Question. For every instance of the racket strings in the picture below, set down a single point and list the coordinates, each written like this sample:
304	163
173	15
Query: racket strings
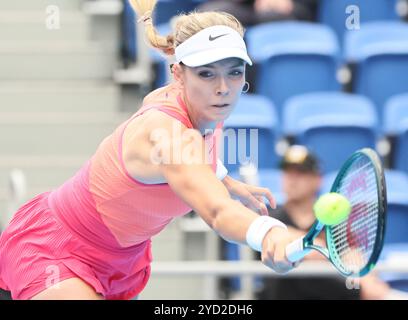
364	226
360	244
370	236
359	209
341	232
353	240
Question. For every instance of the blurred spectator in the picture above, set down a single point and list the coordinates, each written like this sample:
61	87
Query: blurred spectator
251	12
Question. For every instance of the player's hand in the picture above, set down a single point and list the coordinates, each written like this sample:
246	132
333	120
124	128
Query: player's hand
274	250
250	196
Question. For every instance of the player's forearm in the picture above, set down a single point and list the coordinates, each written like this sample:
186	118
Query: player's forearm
228	182
232	220
200	189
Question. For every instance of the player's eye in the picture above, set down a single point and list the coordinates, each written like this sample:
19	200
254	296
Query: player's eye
205	74
236	73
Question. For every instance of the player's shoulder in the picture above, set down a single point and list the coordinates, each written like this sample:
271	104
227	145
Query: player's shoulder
158	120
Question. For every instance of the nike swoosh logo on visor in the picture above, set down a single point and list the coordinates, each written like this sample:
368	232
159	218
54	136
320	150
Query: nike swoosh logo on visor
211	38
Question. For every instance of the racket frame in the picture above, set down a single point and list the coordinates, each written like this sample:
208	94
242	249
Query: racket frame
381	220
299	248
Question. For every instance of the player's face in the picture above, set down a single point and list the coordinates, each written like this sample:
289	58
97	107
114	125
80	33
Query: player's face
300	186
212	90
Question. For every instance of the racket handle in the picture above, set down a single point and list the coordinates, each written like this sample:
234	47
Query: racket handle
295	251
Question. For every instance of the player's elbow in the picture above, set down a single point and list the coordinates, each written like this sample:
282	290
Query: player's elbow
211	211
219	212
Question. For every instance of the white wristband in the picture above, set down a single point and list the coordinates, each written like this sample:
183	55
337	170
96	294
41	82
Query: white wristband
221	172
259	228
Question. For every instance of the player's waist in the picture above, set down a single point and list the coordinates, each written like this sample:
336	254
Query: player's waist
72	205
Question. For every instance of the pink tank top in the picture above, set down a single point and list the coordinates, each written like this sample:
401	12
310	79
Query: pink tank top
103	204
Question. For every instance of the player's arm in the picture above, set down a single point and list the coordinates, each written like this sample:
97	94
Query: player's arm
162	149
180	158
192	179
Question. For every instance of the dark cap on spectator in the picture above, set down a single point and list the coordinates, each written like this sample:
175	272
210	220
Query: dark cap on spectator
300	158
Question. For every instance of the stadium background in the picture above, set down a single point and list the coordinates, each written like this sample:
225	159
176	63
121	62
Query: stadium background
74	68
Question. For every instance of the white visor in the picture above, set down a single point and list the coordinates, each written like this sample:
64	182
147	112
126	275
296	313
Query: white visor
210	45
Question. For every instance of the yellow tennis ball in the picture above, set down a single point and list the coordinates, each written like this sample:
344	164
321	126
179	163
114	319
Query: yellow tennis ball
332	208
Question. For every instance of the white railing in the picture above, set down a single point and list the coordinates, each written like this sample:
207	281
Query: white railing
256	268
249	269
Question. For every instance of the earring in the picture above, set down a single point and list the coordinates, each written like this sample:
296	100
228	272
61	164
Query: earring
247	89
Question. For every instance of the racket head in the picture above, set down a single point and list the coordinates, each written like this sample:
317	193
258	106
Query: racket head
355	245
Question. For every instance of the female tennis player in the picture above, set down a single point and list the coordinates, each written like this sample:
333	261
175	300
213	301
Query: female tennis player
91	237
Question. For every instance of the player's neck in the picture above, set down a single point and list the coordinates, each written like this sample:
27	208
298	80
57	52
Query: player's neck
201	125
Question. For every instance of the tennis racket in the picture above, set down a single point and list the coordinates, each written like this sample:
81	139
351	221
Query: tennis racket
354	245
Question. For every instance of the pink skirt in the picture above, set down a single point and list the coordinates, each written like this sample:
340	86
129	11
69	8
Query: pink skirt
37	251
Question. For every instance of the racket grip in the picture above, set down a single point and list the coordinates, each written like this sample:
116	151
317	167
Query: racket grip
295	251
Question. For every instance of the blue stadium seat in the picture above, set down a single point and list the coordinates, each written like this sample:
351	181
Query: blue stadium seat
166	9
397	198
335	13
293	58
252	112
396	126
332	125
379	54
357	42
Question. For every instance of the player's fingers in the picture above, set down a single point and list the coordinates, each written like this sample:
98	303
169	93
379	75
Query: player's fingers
254	203
272	260
264	209
265	192
280	260
267	254
275	265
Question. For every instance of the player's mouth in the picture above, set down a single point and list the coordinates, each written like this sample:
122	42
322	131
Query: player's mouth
224	105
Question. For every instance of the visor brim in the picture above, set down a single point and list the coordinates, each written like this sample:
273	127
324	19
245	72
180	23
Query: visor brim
209	56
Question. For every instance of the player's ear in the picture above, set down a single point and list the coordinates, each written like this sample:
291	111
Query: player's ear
178	73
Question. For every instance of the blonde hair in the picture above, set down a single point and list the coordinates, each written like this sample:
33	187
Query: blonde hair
184	25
